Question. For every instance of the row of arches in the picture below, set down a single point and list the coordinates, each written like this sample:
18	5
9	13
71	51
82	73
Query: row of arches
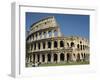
58	57
49	44
43	34
49	57
82	47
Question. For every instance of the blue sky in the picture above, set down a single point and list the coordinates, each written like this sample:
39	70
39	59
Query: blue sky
70	24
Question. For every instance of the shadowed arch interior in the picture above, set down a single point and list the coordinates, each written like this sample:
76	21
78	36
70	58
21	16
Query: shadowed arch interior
55	57
43	58
49	44
72	44
55	44
61	44
62	57
49	57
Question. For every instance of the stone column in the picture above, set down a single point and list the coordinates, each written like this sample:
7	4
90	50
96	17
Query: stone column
34	36
41	45
71	57
42	33
58	54
58	42
52	33
52	58
40	58
45	58
52	44
47	35
35	57
65	58
31	57
33	47
36	46
65	45
46	45
81	57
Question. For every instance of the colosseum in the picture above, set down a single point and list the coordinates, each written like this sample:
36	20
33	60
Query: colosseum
45	44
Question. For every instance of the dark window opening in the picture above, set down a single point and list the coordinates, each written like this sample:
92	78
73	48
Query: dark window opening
55	44
43	45
72	44
38	45
61	44
49	44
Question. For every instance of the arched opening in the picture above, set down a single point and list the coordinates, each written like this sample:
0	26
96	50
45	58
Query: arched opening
72	44
68	57
55	57
80	42
43	45
49	44
81	47
78	57
74	55
61	44
38	56
82	55
33	58
38	45
62	57
67	44
78	46
34	46
36	35
55	44
43	58
49	57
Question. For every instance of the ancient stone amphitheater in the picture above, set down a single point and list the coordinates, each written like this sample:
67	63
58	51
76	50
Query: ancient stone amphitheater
46	44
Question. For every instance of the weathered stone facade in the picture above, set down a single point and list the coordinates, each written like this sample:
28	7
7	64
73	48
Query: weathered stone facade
46	44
